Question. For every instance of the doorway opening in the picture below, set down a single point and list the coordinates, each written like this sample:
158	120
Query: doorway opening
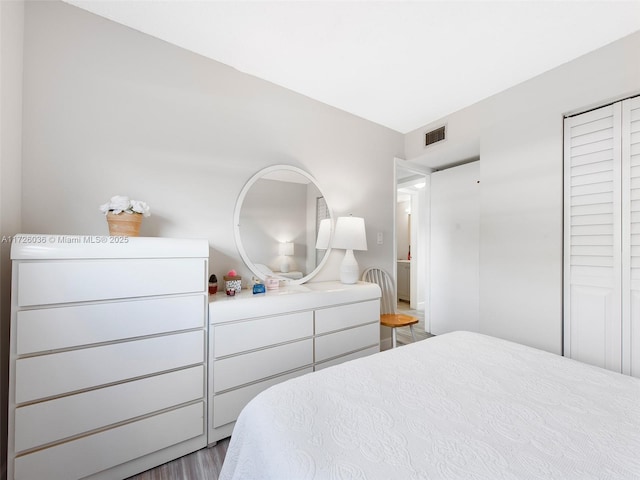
411	245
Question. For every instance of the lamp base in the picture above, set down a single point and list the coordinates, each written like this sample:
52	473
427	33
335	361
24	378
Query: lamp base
349	270
284	267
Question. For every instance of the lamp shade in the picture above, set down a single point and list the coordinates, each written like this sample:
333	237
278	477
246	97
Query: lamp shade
285	248
324	234
350	234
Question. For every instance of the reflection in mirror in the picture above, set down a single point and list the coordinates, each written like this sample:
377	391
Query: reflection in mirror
278	218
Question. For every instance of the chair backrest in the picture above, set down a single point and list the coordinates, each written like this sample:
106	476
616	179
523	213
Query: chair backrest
388	301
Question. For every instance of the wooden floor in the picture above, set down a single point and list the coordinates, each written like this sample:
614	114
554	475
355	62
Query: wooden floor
204	464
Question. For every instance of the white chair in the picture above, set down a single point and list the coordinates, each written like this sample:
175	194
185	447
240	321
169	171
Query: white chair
389	316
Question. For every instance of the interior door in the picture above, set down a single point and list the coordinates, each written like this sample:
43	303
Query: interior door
592	249
455	254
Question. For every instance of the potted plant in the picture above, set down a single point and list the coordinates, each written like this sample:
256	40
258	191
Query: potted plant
124	215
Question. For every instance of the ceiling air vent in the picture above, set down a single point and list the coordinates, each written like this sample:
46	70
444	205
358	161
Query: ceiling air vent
434	136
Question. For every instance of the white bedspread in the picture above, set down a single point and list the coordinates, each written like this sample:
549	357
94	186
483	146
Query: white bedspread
457	406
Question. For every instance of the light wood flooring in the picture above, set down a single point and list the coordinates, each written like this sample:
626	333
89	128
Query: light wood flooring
204	464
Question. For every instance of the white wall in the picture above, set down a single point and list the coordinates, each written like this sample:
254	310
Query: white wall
518	135
11	34
109	110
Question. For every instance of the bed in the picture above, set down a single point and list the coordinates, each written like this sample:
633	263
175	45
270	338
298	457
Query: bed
457	406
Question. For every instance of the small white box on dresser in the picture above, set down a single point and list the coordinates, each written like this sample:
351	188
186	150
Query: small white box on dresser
108	355
256	341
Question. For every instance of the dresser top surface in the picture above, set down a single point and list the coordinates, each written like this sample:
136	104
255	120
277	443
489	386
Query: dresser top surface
53	246
290	298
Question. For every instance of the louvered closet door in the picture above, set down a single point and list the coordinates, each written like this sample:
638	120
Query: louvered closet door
592	216
631	236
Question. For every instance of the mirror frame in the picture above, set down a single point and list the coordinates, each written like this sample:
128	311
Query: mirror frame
236	223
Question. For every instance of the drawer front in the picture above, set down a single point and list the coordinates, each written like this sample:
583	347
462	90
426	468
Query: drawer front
352	356
249	335
241	369
345	316
67	327
94	453
46	422
346	341
52	282
227	407
49	375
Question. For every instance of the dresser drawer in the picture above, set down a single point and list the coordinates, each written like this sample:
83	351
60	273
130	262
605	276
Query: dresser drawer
67	327
241	369
242	336
52	282
94	453
352	356
46	422
55	374
227	407
344	316
346	341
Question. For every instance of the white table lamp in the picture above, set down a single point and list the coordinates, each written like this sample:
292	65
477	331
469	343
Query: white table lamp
350	234
285	250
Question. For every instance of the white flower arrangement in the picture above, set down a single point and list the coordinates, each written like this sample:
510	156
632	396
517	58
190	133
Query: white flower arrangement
120	204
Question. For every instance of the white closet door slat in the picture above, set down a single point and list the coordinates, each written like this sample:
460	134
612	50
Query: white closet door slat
602	219
593	134
593	162
596	187
590	178
592	199
602	240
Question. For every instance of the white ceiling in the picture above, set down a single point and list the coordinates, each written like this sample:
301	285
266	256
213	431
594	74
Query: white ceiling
399	63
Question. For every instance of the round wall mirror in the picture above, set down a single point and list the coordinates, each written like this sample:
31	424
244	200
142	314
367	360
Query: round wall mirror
283	224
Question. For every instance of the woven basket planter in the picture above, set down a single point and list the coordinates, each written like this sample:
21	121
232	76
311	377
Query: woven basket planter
124	224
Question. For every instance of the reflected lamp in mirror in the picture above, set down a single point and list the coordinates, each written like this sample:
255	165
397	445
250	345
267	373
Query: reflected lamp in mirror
350	235
285	249
324	234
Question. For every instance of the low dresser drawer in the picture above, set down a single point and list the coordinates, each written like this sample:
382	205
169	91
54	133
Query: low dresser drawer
91	454
346	341
52	282
54	420
352	356
246	368
345	316
227	407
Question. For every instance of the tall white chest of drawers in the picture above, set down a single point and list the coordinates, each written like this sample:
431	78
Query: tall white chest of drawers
108	355
256	341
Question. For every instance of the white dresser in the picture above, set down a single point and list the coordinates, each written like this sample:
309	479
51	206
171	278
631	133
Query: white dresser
256	341
108	355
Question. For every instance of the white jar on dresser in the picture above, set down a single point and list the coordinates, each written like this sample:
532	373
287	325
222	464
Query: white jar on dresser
256	341
107	356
